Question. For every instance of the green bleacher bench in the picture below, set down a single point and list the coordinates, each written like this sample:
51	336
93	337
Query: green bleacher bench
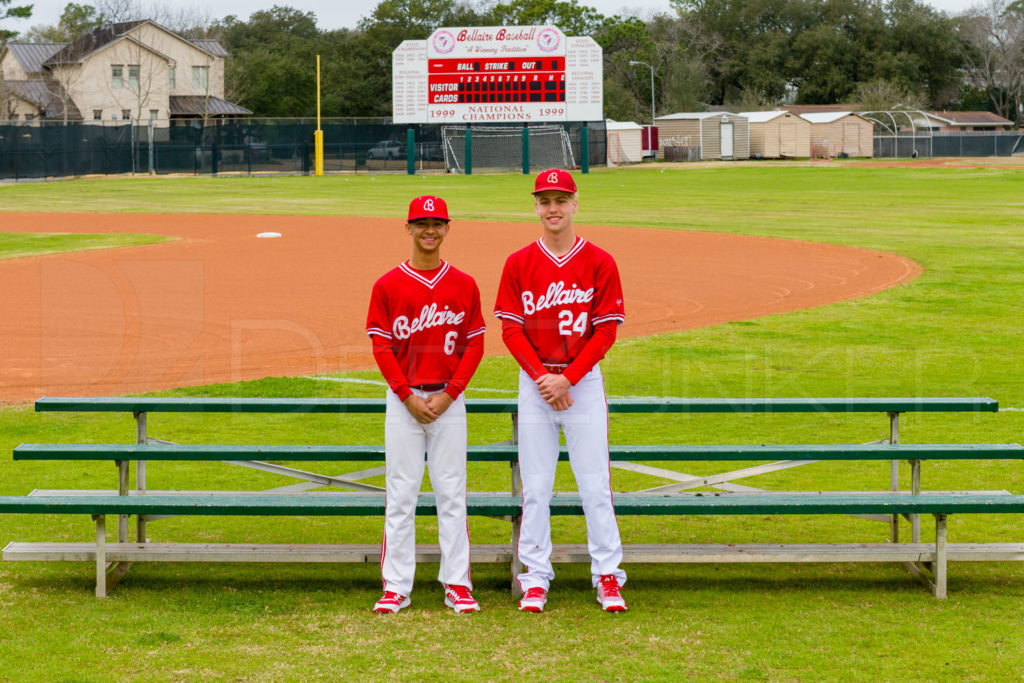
507	452
334	504
927	561
502	405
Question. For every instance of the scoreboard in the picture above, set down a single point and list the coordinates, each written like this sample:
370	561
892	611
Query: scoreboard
497	74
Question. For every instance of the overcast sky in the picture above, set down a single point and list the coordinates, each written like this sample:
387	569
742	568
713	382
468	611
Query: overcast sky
333	14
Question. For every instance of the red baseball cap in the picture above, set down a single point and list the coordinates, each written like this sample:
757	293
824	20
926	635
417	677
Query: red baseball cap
554	179
428	206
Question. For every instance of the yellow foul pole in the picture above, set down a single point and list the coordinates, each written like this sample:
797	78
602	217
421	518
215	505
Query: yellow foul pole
318	136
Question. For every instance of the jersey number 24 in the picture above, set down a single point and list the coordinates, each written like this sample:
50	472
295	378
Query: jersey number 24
566	326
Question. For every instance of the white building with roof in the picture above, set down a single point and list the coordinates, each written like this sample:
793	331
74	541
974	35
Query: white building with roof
840	132
778	134
625	142
135	70
963	121
716	135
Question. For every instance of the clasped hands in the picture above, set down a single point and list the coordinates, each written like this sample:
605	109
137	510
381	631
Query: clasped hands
427	410
555	390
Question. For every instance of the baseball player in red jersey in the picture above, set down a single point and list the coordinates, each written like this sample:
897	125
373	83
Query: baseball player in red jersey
560	303
427	331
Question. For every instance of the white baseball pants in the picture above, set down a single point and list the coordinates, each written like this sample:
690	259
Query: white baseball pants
586	434
405	442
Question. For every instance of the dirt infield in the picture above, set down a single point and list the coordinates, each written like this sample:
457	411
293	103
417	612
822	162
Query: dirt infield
996	163
220	305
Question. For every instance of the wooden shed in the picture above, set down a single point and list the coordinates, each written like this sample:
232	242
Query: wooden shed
625	142
833	133
705	135
778	134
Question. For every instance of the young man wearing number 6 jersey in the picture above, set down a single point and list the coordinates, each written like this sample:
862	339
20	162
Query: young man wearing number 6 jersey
427	332
560	303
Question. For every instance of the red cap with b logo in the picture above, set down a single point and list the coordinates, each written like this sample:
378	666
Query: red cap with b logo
554	179
428	206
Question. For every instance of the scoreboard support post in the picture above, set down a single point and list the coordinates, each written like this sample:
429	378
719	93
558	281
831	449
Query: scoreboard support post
410	151
468	163
526	148
585	148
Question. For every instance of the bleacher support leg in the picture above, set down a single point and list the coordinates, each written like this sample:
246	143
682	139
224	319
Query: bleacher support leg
939	570
915	489
140	473
517	522
122	490
894	474
101	555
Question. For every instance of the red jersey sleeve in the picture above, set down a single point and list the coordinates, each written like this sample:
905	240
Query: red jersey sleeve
593	351
509	309
379	329
608	304
514	336
509	303
389	367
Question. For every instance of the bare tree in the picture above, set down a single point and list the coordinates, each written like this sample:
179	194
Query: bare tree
59	81
993	35
882	95
684	53
143	71
189	21
141	77
8	104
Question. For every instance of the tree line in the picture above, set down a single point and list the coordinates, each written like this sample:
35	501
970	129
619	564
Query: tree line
741	54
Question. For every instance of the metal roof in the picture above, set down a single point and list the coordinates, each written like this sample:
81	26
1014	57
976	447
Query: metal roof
970	118
212	46
32	55
45	94
826	116
92	41
762	116
199	105
610	124
694	115
802	109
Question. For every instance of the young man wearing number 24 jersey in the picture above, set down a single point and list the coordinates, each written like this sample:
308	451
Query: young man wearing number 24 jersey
427	331
560	303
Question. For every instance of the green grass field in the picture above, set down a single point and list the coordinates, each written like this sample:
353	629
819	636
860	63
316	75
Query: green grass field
955	331
14	245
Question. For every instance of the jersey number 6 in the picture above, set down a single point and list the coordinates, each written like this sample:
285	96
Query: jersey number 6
449	342
566	326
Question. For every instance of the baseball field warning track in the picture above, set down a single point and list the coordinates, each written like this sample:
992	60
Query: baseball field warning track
218	304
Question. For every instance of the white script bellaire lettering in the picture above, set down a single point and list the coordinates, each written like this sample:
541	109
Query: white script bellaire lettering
557	295
428	317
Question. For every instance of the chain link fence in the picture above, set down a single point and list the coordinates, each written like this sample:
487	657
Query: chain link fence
40	149
966	144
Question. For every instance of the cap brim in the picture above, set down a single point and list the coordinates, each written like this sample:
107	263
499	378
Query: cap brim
419	218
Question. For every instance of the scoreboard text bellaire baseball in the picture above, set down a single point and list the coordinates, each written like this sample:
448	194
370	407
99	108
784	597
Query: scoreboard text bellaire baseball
499	74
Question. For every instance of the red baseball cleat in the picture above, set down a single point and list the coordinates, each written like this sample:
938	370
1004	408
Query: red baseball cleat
459	599
534	600
608	594
391	602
